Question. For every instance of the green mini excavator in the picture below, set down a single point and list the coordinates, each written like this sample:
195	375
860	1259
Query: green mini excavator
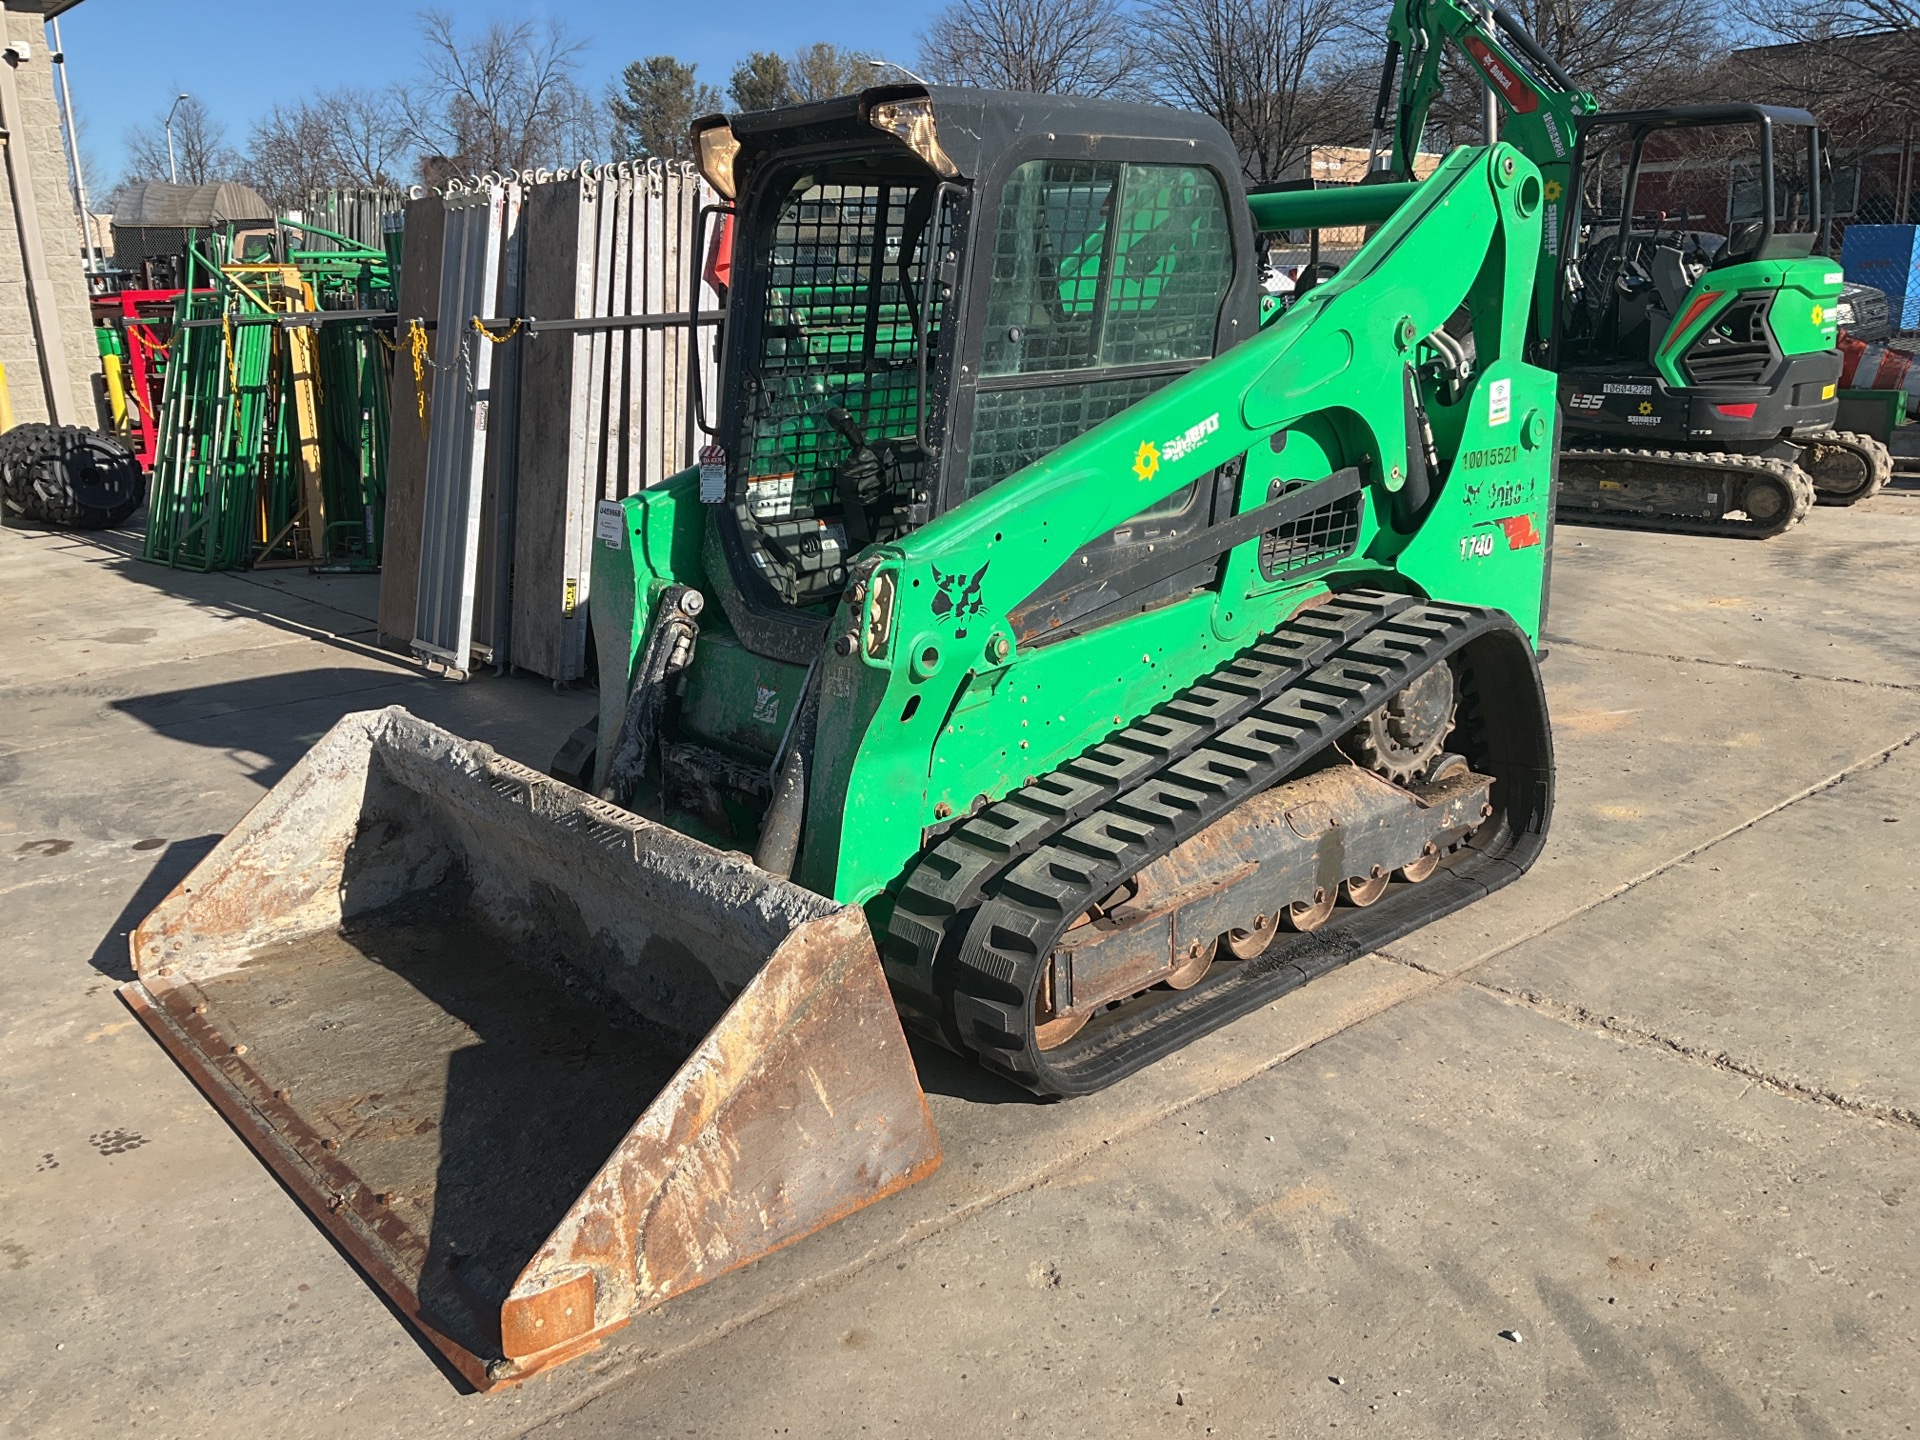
1043	653
1697	370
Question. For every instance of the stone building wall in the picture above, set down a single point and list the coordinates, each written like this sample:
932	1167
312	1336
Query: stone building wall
36	133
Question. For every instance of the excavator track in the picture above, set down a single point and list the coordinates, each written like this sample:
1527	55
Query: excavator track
980	917
1846	468
1704	492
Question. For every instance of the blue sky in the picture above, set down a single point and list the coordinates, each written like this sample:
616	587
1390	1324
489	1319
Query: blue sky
129	58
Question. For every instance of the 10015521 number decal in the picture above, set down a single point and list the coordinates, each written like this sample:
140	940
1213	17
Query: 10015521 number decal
1471	545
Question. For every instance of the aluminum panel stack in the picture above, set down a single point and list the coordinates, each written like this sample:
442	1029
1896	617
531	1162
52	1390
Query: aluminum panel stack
615	246
470	290
360	213
575	389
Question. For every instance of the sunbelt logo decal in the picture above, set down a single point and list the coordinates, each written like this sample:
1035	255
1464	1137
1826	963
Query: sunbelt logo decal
1146	460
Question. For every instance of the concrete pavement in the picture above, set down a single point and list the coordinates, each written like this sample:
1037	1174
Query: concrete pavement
1630	1148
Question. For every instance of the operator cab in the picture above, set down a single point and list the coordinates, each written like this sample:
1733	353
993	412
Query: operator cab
1710	211
933	288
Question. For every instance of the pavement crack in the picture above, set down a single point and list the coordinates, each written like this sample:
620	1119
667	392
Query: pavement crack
1402	960
1624	1028
1787	671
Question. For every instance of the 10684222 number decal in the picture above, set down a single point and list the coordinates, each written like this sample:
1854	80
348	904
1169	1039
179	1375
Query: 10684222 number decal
1474	545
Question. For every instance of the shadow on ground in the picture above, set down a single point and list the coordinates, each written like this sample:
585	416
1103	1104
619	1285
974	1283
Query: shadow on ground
339	610
269	721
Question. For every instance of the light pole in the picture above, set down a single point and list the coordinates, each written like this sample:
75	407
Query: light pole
173	168
877	63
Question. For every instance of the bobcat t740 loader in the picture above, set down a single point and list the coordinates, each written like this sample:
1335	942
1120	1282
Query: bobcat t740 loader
1045	654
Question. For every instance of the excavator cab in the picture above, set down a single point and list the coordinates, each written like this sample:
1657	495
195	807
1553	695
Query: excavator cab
1695	309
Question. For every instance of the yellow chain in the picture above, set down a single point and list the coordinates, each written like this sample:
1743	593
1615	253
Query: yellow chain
511	331
417	352
417	345
233	372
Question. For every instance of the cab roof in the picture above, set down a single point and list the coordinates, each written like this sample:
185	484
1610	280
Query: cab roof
975	127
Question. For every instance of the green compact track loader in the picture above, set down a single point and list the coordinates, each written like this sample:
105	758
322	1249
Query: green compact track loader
1044	653
1698	371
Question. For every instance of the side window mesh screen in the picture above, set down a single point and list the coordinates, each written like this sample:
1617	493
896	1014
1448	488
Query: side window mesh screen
1014	428
1317	538
1096	265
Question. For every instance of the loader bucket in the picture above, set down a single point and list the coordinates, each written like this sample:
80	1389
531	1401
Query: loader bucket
538	1064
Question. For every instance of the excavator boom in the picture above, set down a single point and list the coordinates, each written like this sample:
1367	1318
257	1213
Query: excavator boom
1698	369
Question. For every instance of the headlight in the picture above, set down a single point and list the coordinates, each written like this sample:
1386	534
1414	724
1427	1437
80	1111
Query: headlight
880	614
717	148
911	121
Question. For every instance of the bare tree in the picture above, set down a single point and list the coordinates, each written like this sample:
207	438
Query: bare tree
1855	65
1893	26
290	152
1254	65
500	100
1628	53
369	136
200	150
1067	47
822	71
586	131
342	137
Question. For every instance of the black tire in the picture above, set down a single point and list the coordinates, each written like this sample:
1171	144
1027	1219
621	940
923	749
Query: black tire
65	475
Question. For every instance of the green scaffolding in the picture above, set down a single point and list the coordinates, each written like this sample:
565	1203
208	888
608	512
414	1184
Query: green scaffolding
236	481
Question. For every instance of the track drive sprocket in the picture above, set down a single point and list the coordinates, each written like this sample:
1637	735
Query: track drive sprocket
1404	736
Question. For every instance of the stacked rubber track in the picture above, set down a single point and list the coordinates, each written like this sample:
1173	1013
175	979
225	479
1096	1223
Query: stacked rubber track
1692	467
981	911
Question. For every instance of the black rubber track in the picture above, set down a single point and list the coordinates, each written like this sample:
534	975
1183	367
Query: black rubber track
1703	467
1877	459
978	916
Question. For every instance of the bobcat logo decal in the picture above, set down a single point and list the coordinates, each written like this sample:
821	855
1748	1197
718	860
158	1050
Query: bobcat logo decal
958	596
